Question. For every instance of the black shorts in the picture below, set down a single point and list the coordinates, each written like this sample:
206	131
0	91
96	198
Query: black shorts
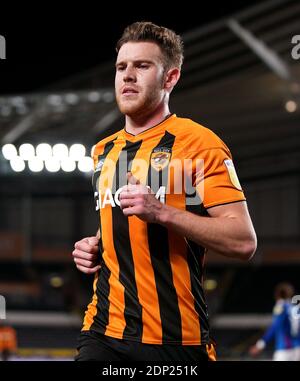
96	347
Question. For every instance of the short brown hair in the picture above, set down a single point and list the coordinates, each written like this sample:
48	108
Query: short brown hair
284	290
169	42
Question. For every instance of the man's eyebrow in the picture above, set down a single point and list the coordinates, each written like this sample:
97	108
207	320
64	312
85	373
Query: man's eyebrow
135	62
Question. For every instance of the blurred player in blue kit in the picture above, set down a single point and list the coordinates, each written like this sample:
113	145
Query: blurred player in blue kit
284	329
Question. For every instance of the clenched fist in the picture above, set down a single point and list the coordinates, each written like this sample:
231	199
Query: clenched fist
86	255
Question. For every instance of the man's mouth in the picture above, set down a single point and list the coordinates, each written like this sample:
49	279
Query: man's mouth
129	91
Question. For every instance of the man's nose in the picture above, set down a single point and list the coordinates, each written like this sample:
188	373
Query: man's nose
129	75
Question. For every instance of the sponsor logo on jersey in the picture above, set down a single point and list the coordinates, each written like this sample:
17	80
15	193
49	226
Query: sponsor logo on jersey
232	174
108	198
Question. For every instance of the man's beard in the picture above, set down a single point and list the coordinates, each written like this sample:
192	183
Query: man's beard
140	106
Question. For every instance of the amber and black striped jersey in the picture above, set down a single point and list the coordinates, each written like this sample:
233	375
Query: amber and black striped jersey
149	287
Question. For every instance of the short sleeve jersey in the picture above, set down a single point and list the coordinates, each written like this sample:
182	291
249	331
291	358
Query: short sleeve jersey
149	287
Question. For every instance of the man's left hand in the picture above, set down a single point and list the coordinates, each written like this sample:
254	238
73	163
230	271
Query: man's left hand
138	200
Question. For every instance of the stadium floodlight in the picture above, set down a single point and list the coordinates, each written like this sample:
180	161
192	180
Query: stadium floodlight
86	164
17	164
52	164
21	110
77	151
17	101
291	106
9	151
35	164
44	151
108	96
55	100
26	151
71	99
5	110
94	96
68	165
60	151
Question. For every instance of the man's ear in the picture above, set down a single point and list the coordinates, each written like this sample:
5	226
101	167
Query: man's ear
171	78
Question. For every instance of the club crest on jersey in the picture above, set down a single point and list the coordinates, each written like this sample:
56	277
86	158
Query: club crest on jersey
160	158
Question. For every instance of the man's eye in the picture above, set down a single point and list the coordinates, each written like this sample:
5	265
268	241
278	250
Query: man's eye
143	66
121	68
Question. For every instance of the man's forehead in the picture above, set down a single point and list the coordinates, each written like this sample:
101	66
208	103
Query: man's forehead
139	51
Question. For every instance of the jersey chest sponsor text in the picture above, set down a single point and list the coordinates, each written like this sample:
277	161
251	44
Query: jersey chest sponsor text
107	197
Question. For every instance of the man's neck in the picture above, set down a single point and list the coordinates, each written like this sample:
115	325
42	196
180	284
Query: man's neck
137	125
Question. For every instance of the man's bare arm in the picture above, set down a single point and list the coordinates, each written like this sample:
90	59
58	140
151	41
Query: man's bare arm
228	230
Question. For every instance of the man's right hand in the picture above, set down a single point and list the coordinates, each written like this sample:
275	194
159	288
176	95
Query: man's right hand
86	255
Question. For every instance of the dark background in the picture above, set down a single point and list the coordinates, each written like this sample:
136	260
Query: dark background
45	43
